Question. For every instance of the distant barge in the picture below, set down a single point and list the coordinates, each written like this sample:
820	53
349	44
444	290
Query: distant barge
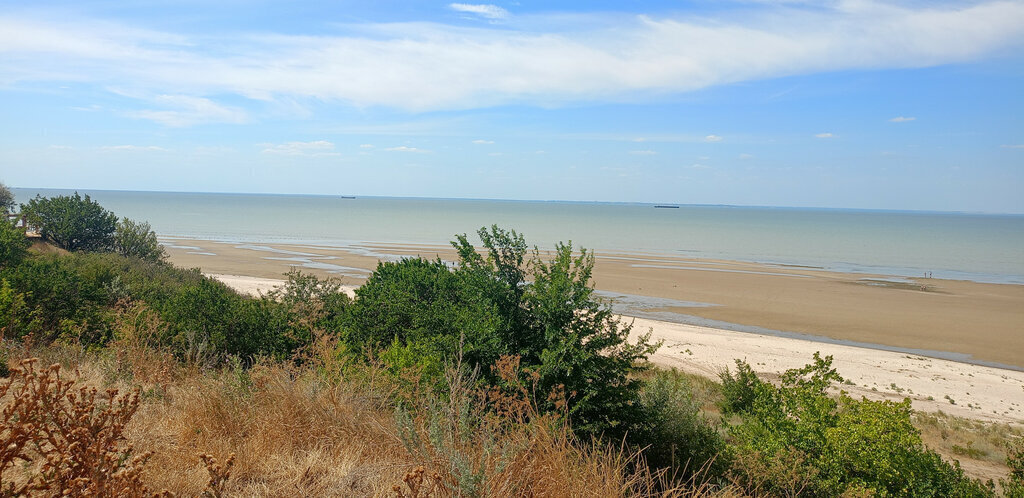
665	206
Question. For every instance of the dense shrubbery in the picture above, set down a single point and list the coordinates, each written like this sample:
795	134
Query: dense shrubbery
794	439
13	244
73	297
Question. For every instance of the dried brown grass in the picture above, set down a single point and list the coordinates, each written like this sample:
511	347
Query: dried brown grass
279	430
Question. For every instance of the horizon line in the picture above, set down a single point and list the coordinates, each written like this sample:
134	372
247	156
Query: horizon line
566	201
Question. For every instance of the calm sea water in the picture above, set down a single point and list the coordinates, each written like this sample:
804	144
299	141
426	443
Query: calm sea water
986	248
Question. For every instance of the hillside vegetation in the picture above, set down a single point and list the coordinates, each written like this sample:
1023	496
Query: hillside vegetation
500	376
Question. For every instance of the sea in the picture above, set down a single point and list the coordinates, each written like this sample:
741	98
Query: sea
961	246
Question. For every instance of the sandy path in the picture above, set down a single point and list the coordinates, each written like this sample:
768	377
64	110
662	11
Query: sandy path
960	389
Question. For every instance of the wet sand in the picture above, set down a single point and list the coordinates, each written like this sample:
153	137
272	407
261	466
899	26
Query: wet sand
960	320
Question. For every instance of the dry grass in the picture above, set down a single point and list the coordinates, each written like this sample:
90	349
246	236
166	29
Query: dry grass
980	447
326	429
278	430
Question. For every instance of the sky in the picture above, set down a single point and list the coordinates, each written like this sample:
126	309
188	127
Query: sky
870	104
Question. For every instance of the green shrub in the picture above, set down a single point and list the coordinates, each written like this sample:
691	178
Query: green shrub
13	244
72	222
16	318
675	433
415	301
1013	485
66	299
315	303
497	304
814	445
137	240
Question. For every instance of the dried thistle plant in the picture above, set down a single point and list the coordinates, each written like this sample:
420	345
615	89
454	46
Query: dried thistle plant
418	485
219	475
72	438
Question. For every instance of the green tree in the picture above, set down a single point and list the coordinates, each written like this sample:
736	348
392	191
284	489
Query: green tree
137	240
72	222
6	199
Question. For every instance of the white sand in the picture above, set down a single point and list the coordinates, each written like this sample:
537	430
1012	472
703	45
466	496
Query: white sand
256	286
977	392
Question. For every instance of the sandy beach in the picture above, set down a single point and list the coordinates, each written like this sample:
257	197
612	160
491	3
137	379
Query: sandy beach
985	321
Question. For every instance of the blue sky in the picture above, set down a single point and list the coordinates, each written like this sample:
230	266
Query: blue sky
849	103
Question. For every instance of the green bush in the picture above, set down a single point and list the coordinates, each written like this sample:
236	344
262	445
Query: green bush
675	433
72	222
795	439
137	240
415	301
13	244
16	318
67	300
76	296
498	303
1013	485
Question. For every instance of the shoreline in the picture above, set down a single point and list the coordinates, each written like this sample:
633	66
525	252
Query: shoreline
958	320
888	272
933	385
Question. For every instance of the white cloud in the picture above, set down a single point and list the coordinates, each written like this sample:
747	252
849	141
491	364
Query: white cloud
403	148
133	148
483	10
187	111
901	119
699	166
483	142
315	148
642	152
825	135
745	156
545	60
366	146
712	138
1015	146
